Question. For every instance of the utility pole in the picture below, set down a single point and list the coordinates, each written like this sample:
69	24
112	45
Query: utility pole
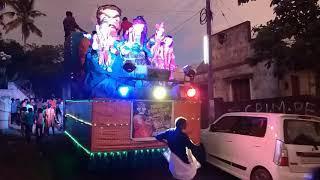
210	74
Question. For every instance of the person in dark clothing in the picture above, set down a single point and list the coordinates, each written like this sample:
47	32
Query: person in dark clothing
70	25
29	122
177	140
182	164
125	25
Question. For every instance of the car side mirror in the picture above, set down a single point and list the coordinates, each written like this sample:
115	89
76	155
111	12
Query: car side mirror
213	128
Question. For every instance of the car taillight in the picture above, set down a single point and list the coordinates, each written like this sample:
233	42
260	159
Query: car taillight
280	154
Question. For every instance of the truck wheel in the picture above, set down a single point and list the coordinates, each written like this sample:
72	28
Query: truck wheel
260	174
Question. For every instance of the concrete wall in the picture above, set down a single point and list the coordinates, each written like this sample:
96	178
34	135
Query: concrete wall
235	47
5	103
307	82
230	62
231	48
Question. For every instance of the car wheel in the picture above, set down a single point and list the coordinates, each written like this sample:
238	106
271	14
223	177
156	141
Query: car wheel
260	174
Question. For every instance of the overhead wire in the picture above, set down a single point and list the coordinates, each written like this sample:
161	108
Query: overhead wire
183	23
222	12
234	12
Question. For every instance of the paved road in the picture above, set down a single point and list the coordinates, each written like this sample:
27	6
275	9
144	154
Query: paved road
56	158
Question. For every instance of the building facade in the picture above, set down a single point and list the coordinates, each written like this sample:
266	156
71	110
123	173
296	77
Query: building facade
235	80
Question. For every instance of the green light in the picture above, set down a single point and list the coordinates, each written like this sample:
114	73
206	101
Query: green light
77	119
77	143
118	153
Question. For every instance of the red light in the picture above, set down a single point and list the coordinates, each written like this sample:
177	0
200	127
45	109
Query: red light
191	92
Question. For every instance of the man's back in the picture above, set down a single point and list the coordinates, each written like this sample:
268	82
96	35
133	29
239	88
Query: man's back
177	142
29	118
50	114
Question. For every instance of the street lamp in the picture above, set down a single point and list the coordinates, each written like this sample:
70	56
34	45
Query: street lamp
206	49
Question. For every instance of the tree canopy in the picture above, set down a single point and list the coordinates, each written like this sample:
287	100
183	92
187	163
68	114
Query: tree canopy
22	15
291	41
42	65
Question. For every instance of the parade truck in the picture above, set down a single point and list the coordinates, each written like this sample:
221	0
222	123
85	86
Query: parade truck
120	90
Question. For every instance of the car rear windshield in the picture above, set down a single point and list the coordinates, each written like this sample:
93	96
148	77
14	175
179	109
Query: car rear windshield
301	132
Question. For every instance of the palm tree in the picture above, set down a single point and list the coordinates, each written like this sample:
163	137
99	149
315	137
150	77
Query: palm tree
23	15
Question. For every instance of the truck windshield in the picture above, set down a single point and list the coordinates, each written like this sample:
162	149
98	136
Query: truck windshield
302	132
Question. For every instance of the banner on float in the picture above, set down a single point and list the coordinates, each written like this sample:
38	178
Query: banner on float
149	118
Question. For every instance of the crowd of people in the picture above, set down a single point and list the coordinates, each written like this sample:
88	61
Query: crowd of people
37	116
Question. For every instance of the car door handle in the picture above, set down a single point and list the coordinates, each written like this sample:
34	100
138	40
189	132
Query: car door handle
229	141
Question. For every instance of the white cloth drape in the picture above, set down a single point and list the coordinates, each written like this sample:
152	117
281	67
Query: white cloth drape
179	169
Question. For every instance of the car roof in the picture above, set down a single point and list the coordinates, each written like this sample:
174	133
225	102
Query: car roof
252	114
271	114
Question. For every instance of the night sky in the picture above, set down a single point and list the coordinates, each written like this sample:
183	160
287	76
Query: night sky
188	35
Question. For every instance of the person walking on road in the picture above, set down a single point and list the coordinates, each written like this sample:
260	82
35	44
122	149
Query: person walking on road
50	115
29	123
39	124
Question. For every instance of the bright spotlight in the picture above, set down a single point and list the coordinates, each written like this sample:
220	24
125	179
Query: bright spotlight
159	93
191	92
123	91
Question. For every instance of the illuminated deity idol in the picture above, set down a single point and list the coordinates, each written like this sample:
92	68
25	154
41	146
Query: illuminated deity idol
104	54
134	48
108	19
101	57
162	49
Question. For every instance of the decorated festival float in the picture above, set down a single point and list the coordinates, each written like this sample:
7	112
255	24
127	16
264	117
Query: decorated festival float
121	89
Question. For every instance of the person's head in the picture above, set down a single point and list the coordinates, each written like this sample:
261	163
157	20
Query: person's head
30	110
12	99
40	110
181	123
110	15
69	14
124	19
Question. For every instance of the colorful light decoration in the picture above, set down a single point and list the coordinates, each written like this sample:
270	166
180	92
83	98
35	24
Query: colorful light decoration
159	92
77	119
123	91
113	153
191	92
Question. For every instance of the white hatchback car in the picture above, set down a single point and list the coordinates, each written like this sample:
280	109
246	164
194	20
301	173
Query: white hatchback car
264	146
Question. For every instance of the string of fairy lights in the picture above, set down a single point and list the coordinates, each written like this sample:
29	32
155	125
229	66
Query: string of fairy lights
114	153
